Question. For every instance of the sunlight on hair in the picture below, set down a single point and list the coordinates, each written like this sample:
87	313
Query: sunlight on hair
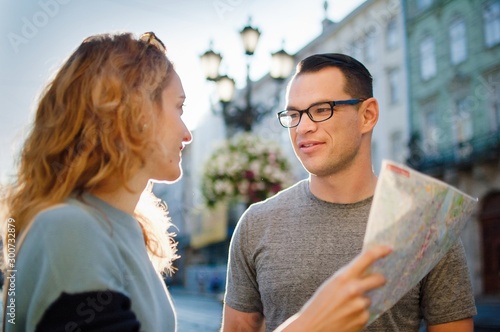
152	214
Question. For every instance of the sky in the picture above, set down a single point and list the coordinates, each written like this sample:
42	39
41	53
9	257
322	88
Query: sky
38	35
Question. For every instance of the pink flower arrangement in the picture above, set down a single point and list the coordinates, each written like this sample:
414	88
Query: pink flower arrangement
245	169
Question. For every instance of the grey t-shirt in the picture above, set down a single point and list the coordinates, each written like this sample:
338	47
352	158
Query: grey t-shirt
71	249
284	248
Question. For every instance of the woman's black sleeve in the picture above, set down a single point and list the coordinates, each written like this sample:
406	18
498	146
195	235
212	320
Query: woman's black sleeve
90	311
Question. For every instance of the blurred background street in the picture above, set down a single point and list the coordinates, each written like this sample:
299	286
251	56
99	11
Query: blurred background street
196	312
488	317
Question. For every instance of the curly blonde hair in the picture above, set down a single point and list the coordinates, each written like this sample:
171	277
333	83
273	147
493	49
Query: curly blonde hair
90	124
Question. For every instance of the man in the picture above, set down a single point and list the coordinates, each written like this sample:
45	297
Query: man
285	247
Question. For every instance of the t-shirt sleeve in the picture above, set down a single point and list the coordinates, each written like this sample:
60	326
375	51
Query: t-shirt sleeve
90	311
66	250
446	291
242	291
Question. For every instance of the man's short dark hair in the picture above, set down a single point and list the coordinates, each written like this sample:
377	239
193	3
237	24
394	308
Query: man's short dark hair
359	81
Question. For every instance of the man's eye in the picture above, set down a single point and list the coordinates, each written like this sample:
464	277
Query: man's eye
322	110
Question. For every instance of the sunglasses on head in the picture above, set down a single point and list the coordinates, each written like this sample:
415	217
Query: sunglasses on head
150	39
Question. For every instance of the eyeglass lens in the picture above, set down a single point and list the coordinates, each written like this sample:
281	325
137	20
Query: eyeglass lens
316	113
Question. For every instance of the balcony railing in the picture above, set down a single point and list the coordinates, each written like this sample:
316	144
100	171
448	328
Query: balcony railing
458	156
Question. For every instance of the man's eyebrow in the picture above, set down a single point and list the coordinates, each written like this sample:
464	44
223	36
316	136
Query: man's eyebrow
293	108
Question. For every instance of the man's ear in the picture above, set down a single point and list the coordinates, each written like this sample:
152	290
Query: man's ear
369	114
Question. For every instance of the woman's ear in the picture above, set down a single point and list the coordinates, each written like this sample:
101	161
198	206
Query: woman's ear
369	113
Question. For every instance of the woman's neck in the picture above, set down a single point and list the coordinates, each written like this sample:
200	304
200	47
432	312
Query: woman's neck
122	197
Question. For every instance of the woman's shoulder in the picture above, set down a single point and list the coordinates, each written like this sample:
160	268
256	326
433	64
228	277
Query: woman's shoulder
65	225
67	251
63	234
66	215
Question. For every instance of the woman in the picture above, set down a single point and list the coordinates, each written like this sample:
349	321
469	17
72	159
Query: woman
90	241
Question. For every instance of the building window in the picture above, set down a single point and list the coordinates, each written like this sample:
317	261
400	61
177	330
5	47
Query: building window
491	17
422	4
357	50
458	41
371	46
376	87
495	110
393	77
462	129
397	146
493	90
462	121
392	34
376	160
432	134
428	66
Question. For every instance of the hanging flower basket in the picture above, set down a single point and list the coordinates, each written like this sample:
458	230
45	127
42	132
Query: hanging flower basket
245	169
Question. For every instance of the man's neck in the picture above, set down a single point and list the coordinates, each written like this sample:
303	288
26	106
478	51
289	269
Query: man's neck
349	186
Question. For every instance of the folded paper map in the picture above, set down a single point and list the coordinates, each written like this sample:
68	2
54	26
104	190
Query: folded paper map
420	218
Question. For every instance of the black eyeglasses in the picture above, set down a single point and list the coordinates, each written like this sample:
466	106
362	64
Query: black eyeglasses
150	39
317	112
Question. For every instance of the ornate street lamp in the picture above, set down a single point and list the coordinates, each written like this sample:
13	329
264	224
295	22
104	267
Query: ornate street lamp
210	61
250	37
225	88
281	64
244	118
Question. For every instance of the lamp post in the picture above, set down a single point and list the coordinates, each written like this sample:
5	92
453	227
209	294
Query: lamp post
235	117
